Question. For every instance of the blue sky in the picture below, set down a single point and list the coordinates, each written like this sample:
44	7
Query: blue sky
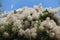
9	5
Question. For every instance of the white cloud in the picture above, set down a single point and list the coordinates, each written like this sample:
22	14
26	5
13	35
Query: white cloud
11	6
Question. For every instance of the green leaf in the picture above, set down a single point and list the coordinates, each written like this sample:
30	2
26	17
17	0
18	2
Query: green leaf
0	4
15	12
43	16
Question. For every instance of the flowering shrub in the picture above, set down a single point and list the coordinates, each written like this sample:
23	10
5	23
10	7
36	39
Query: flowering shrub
30	24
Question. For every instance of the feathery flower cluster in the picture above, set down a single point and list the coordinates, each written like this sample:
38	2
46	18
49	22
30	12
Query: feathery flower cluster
31	23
